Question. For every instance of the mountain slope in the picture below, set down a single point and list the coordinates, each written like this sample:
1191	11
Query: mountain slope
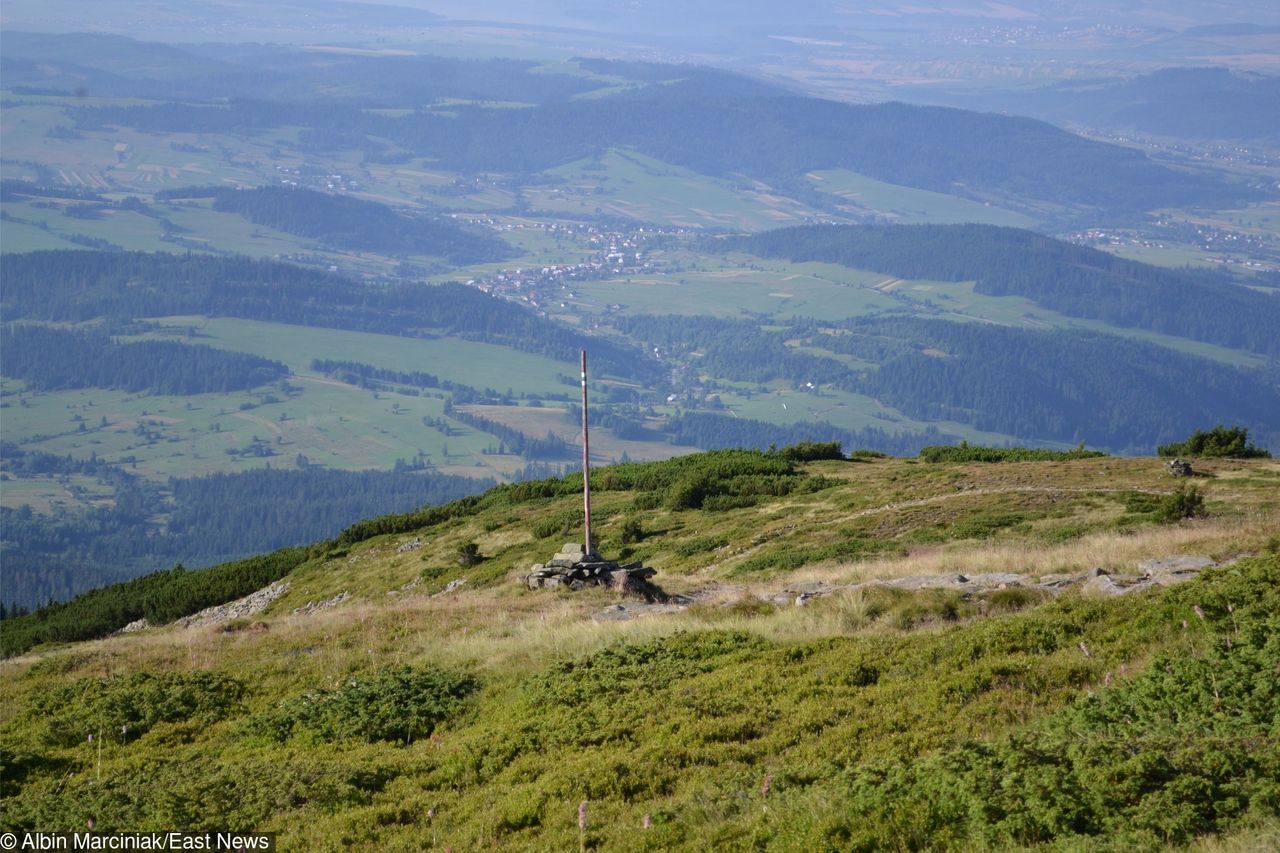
488	714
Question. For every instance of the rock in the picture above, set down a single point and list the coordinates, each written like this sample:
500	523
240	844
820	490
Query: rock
575	567
1178	468
633	610
251	604
999	580
412	545
451	586
1106	585
1175	564
933	582
316	606
136	625
630	583
809	587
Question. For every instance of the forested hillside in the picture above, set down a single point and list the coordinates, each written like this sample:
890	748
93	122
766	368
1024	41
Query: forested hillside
770	138
1066	386
78	286
195	520
1194	103
1074	280
51	359
351	223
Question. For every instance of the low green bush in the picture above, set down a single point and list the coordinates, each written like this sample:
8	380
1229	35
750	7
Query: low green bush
963	452
812	451
125	707
784	558
1185	502
560	524
402	705
701	545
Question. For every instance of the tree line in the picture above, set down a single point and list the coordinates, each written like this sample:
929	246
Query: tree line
513	440
199	520
709	431
1067	386
51	359
351	223
159	597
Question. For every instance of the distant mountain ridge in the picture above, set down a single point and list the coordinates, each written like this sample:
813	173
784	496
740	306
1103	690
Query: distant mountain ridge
1192	103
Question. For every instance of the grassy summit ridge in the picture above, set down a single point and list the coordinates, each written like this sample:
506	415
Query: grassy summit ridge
869	719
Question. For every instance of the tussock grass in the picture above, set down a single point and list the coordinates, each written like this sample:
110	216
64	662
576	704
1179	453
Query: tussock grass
1219	538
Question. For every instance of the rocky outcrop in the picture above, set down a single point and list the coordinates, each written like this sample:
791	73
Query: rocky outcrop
251	605
1178	468
575	568
317	606
1165	571
451	587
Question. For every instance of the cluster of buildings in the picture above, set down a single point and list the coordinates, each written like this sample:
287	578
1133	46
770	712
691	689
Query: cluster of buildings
612	253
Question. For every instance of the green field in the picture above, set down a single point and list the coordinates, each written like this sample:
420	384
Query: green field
957	299
847	410
332	424
469	362
632	185
741	285
47	495
909	205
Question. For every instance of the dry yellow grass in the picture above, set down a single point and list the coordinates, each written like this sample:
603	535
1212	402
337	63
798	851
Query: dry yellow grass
1121	552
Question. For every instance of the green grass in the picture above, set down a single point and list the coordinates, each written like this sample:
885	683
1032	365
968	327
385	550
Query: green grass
46	495
469	362
21	237
485	717
123	228
908	205
632	185
331	424
737	285
842	408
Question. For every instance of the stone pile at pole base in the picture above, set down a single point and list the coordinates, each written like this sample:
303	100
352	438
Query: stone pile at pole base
575	568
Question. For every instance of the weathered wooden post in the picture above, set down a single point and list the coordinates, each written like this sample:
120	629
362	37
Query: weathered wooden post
586	465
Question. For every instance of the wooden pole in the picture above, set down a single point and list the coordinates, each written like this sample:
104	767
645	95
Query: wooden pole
586	463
